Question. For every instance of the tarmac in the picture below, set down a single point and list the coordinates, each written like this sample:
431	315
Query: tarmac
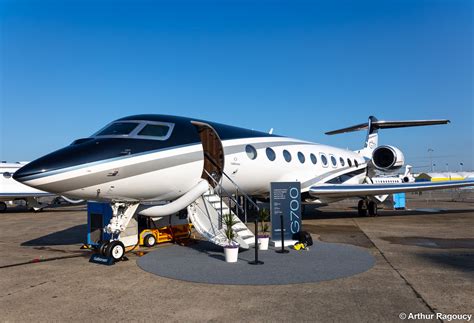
424	264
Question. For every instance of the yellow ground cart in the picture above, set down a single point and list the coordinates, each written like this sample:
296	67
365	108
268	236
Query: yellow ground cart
150	237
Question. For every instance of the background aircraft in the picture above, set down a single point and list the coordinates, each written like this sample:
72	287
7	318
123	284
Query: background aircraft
11	190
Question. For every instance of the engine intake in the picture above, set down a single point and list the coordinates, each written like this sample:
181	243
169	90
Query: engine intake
387	158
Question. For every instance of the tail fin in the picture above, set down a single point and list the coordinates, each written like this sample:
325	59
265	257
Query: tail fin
373	125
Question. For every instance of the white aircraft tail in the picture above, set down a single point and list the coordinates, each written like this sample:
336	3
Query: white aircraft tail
373	125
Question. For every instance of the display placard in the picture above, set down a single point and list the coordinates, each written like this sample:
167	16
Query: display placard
285	199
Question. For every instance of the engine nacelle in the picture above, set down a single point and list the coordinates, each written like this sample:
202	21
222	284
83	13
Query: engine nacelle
387	158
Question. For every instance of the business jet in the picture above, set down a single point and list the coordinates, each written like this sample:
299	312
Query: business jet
12	191
186	162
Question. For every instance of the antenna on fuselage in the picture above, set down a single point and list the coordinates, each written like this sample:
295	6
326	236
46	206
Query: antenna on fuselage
271	131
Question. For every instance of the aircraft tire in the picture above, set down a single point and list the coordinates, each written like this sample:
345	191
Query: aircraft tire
372	208
149	240
362	208
3	207
115	250
103	248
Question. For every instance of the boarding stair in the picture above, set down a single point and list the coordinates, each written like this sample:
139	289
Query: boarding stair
206	215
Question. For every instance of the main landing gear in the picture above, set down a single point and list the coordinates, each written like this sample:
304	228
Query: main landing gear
3	207
367	208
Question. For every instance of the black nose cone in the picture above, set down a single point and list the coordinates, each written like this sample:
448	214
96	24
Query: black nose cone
27	171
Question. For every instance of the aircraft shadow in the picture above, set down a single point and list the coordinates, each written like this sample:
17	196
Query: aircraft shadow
52	209
314	213
462	261
71	236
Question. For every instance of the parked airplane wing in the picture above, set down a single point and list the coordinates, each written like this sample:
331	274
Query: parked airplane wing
13	195
361	190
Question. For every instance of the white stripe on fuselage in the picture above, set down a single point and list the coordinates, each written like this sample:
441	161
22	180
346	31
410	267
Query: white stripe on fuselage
253	176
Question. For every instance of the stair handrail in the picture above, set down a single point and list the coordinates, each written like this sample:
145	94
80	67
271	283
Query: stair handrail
241	191
225	191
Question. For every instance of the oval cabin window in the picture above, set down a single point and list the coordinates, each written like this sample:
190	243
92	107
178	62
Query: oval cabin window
270	154
251	151
324	160
301	157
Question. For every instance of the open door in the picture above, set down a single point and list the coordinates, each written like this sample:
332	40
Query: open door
213	152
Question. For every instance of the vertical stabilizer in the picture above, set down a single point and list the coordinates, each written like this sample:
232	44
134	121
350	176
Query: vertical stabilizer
372	139
374	125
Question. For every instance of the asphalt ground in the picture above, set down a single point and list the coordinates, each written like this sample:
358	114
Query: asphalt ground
424	264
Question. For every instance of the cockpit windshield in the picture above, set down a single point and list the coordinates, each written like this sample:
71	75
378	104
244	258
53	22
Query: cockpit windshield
118	129
153	130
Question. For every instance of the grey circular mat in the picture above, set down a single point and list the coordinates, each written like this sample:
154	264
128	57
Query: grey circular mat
204	263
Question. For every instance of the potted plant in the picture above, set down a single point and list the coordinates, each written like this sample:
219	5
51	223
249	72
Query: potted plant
263	237
231	250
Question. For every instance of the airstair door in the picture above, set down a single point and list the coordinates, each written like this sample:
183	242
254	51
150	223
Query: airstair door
213	152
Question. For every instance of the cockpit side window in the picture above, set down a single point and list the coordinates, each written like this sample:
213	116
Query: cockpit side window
118	129
154	130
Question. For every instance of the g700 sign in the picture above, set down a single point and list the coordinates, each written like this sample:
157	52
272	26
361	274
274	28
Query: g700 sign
285	201
295	210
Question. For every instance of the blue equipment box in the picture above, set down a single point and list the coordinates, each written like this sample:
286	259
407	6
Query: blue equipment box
399	201
98	216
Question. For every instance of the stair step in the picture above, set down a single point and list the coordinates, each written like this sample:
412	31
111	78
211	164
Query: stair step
206	214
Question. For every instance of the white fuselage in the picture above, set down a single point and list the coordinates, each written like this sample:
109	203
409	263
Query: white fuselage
170	173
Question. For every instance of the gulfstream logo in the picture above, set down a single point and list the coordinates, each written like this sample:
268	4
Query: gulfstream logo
439	316
100	259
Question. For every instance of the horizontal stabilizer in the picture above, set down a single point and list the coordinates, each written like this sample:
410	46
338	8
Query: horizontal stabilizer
381	124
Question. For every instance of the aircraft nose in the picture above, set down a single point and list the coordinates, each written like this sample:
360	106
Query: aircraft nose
29	170
60	159
80	153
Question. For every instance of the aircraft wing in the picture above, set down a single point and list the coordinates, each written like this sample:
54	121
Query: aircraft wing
361	190
14	195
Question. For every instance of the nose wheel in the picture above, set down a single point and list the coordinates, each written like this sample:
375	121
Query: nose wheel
113	249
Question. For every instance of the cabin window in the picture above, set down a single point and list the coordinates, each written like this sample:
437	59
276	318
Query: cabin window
287	155
270	154
301	157
356	163
251	151
324	160
313	159
341	161
118	129
349	162
333	161
154	130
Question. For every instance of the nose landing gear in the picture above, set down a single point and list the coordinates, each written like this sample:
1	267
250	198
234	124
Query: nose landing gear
367	208
114	250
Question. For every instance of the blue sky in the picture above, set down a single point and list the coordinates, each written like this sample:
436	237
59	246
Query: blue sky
301	67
